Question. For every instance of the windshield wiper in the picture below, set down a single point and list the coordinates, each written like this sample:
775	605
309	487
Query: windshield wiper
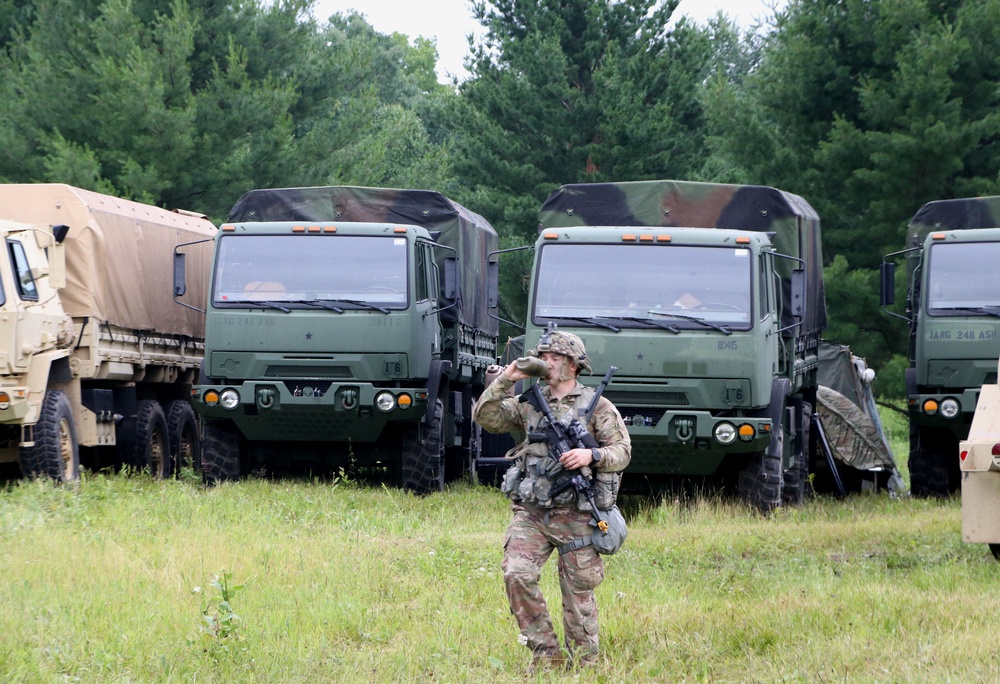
591	321
724	329
991	311
317	302
262	303
665	326
357	302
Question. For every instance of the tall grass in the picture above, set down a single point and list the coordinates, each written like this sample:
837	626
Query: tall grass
119	579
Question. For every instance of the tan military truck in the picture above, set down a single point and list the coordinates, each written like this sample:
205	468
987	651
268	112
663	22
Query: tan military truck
94	350
979	464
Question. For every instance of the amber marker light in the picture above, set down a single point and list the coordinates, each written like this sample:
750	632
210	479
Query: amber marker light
298	229
743	240
211	397
404	401
937	236
663	238
551	236
930	407
746	432
399	230
228	228
329	229
4	400
645	238
628	238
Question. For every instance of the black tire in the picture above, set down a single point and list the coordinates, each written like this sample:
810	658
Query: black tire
796	486
149	449
220	452
931	450
423	455
761	483
182	432
56	453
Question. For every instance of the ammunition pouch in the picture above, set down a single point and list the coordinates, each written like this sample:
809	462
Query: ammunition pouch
606	486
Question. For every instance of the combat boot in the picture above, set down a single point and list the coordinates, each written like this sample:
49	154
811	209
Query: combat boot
544	660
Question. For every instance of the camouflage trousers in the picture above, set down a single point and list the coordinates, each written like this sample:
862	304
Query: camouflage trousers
532	536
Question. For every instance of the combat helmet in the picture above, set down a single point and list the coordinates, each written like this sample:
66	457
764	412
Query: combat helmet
565	343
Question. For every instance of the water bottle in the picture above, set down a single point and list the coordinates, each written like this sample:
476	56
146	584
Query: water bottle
533	366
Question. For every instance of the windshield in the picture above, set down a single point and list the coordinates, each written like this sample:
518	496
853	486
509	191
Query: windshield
963	276
304	269
627	284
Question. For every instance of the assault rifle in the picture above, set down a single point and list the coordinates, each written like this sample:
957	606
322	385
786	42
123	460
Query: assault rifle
562	438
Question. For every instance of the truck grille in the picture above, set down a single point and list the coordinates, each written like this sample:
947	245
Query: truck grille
628	398
306	372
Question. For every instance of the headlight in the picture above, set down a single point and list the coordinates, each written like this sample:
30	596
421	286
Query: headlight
725	433
229	399
949	408
385	401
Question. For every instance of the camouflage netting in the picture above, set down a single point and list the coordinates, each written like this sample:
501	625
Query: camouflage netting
683	204
468	233
846	407
119	256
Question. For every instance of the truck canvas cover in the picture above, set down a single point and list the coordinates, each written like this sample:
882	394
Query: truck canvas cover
793	223
119	256
468	233
954	214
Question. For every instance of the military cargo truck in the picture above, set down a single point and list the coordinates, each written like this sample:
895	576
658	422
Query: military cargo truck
953	313
979	459
93	351
347	327
709	300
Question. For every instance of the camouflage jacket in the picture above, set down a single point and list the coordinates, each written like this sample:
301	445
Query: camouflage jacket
497	411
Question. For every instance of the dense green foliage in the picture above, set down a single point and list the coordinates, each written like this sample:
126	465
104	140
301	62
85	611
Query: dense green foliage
867	108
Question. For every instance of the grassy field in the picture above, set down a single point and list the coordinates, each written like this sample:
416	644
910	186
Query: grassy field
126	579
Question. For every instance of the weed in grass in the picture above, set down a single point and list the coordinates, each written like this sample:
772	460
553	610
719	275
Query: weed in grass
221	627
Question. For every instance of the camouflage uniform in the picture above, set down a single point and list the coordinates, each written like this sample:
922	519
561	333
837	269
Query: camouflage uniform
537	530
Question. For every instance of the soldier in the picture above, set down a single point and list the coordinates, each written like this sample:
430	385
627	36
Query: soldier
543	523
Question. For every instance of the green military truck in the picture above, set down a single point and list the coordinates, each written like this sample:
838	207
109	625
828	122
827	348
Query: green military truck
709	300
953	313
346	327
96	361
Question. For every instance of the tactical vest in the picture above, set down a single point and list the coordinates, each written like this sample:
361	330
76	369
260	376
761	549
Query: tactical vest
533	474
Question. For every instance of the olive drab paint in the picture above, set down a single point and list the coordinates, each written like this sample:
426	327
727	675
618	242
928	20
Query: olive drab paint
712	376
952	306
367	333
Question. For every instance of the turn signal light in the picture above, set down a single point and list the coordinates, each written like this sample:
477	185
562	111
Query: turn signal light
995	451
4	400
211	397
930	407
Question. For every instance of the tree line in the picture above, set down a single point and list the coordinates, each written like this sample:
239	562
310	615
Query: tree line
866	108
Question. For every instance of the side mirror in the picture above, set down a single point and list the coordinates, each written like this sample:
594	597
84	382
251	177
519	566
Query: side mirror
798	293
180	284
493	284
887	281
449	284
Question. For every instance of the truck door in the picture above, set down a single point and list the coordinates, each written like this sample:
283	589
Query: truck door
38	311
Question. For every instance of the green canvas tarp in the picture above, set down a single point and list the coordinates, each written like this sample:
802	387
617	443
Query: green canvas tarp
451	224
